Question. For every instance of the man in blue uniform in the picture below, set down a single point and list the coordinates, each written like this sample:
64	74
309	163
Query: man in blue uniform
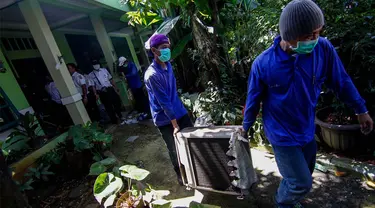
287	78
130	71
168	112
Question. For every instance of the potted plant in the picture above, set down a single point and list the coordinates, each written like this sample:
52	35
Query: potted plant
109	189
109	185
339	127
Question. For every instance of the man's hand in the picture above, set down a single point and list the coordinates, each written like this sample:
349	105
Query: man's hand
243	133
176	130
366	123
96	96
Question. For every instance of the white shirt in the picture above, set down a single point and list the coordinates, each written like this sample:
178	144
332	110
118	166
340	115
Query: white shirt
79	80
53	92
101	78
89	81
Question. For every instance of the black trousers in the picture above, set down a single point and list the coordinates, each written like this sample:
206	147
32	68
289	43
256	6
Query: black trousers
112	103
167	134
92	107
141	100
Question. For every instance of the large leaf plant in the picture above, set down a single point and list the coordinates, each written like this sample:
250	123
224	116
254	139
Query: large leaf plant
124	188
90	137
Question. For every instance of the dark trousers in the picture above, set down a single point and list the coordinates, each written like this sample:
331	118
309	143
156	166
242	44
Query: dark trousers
92	107
296	165
167	134
112	103
141	101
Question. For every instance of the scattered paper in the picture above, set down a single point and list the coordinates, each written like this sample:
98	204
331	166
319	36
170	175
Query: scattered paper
132	138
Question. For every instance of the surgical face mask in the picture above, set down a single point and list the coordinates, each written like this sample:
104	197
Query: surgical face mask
165	54
305	47
96	66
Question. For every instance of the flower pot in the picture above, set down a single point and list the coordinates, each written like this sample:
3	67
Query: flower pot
339	137
137	202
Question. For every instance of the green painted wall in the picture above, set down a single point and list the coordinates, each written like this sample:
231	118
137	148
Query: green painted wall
10	85
12	55
123	92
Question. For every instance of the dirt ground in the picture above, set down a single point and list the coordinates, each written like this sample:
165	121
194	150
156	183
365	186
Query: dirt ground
328	191
150	151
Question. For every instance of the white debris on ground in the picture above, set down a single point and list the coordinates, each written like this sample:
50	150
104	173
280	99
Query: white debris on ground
134	118
132	138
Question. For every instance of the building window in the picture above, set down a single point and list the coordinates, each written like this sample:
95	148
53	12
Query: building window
18	44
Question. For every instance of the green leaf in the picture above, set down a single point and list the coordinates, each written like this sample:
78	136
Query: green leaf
180	46
203	7
16	143
161	203
101	166
102	137
26	185
116	171
47	173
106	185
97	158
108	161
37	175
5	153
97	169
133	172
155	20
110	200
134	190
34	127
82	143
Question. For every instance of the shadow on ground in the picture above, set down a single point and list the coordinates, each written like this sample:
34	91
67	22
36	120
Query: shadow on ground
149	150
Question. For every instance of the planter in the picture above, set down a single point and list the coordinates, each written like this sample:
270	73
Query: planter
339	137
20	167
125	197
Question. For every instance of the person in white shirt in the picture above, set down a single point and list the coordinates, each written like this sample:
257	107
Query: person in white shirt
53	92
88	98
108	91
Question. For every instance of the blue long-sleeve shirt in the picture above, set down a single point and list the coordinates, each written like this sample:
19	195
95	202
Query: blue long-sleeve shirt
289	87
132	76
162	92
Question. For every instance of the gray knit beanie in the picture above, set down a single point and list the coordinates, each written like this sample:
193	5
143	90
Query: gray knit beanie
300	17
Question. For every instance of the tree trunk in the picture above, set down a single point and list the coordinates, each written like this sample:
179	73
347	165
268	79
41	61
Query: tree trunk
187	74
10	195
208	51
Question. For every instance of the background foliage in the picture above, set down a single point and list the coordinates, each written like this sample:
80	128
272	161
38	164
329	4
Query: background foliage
350	26
245	28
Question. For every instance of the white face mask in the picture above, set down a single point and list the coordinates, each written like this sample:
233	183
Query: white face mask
96	66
